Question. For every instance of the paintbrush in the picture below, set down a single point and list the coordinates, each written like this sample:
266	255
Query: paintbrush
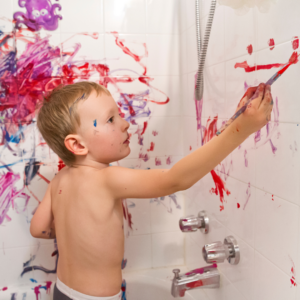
293	59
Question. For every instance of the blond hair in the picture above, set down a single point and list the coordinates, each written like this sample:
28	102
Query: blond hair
58	116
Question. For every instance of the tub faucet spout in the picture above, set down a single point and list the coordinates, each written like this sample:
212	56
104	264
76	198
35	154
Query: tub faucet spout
207	277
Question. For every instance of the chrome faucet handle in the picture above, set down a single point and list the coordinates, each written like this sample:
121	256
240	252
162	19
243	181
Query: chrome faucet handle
176	273
192	223
218	252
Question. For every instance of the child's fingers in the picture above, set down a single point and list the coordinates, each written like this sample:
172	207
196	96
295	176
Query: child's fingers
248	95
267	99
250	92
258	95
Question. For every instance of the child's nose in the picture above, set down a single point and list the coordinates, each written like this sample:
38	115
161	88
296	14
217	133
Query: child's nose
126	124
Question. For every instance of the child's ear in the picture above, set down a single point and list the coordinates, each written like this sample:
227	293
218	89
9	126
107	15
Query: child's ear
73	144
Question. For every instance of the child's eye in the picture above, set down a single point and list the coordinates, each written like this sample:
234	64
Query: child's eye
110	120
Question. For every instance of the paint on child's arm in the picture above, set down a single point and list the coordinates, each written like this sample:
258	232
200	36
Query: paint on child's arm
95	123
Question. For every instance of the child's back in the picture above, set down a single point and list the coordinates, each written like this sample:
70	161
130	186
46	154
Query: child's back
89	232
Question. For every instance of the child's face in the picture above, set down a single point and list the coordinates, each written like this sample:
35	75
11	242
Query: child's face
102	129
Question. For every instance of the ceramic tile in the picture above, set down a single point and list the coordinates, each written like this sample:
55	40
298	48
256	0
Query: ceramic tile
268	210
168	139
190	135
126	55
238	213
241	275
190	13
279	21
140	211
163	16
270	282
90	48
166	212
165	96
182	16
75	13
227	291
183	53
6	14
12	260
44	257
10	151
16	232
277	172
125	16
239	33
189	107
242	161
237	82
215	50
138	252
286	89
191	49
214	91
167	249
163	54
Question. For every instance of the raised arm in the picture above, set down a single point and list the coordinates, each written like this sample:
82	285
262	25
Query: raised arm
128	183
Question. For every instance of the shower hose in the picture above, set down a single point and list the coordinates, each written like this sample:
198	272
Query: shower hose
202	47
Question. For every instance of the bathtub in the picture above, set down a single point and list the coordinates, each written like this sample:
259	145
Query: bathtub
151	284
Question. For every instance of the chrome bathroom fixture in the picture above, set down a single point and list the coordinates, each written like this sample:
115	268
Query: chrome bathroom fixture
202	48
192	223
207	277
218	252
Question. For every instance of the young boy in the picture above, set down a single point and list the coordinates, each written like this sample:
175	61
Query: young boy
81	123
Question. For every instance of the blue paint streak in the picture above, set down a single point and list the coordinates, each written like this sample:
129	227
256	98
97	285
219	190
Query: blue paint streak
33	280
95	122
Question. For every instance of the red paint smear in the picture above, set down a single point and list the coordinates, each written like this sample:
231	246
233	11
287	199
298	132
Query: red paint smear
48	181
61	165
238	205
48	286
295	43
190	148
146	80
293	60
145	127
151	147
250	49
194	284
244	65
127	214
168	160
37	291
155	133
157	161
4	289
54	253
137	58
271	44
220	188
210	130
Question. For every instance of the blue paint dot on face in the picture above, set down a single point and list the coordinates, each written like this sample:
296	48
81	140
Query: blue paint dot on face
95	122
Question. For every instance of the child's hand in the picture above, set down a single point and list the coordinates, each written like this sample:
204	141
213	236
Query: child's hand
258	111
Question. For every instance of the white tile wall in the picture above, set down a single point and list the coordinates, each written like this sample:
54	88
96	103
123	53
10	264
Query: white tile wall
269	247
266	224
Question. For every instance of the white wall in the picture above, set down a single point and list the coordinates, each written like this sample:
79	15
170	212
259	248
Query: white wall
267	226
155	240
